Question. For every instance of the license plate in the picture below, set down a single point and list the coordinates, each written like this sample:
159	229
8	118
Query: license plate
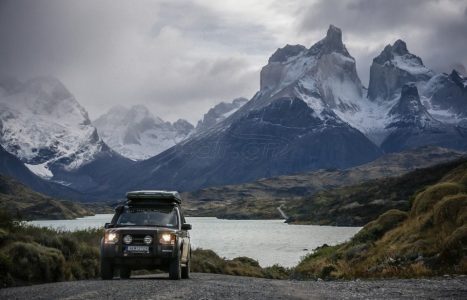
138	249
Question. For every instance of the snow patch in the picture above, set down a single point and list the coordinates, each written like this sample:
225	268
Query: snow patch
40	170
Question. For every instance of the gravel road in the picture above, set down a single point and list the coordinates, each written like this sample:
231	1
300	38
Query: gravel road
211	286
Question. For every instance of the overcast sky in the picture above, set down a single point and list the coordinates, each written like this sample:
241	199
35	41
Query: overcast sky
180	58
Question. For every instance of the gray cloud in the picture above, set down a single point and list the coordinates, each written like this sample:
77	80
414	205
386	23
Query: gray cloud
436	30
181	57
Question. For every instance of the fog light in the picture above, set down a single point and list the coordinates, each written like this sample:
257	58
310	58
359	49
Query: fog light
127	239
148	240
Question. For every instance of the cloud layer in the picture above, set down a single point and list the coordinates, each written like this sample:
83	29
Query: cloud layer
181	57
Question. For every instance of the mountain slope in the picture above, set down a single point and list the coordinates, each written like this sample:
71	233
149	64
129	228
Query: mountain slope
17	199
44	126
359	204
12	167
412	126
42	123
135	133
260	199
219	113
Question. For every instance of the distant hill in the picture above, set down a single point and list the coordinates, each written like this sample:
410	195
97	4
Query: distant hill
19	200
260	199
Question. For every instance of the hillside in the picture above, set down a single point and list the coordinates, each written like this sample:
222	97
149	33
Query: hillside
17	199
428	240
260	199
359	204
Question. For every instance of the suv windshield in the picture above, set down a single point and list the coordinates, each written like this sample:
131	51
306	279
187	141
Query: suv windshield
144	216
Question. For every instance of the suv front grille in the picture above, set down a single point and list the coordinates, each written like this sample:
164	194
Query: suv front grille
138	239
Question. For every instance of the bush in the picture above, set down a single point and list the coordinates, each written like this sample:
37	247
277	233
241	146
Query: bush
276	272
428	198
5	268
452	209
206	261
32	263
376	229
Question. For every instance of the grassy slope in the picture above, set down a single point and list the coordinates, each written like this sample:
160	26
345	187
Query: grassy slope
359	204
16	198
430	239
259	199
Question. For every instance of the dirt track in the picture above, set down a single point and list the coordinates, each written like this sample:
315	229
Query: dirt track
211	286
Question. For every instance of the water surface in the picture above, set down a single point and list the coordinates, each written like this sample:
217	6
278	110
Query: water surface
268	241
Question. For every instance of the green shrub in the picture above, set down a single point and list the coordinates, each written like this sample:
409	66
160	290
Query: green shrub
276	272
428	198
376	229
5	268
451	209
206	261
31	263
455	247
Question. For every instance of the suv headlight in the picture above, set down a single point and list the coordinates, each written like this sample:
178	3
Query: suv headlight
111	238
127	239
167	239
148	240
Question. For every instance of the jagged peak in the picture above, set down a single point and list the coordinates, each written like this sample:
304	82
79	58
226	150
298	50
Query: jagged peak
409	101
334	36
284	53
332	42
400	47
49	85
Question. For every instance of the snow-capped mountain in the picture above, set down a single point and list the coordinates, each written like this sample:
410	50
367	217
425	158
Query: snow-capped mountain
311	112
412	126
219	113
393	68
445	96
324	76
43	125
137	134
290	125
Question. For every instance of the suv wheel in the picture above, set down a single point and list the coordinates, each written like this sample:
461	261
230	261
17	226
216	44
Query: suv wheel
107	269
186	268
125	273
175	269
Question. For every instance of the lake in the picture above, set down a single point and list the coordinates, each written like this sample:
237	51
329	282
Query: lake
268	241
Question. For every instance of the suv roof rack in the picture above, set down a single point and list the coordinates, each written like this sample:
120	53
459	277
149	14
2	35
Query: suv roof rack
153	196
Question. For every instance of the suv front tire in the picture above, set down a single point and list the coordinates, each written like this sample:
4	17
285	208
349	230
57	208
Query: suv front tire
175	269
107	269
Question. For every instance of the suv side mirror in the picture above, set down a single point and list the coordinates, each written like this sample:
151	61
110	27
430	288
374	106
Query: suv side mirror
108	225
186	226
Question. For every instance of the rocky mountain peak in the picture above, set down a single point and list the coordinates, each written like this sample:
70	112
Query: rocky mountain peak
400	47
219	113
183	126
333	40
137	134
409	110
282	54
394	67
457	78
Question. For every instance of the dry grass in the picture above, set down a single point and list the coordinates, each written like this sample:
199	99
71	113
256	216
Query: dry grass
430	240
